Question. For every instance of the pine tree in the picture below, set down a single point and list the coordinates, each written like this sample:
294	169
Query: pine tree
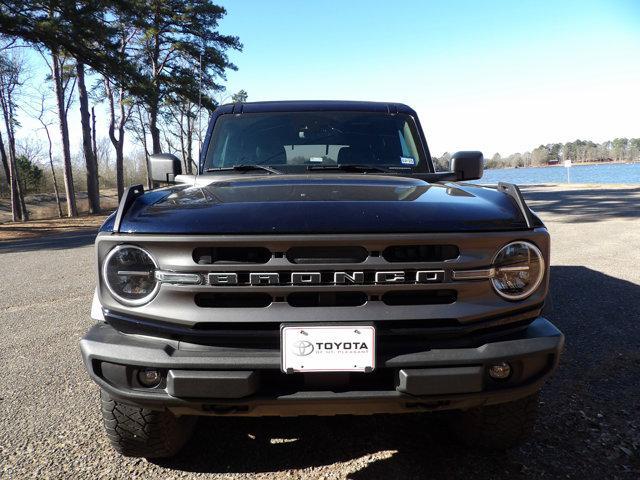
179	40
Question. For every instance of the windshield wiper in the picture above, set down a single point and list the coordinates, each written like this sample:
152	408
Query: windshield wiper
349	168
245	168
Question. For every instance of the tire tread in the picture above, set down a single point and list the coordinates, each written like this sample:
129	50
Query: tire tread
140	432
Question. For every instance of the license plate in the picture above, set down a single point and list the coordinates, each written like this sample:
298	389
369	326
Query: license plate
328	348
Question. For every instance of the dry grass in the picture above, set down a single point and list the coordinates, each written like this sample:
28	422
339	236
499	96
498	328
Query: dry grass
44	216
39	228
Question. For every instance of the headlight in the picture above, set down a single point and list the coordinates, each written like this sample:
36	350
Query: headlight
129	273
519	269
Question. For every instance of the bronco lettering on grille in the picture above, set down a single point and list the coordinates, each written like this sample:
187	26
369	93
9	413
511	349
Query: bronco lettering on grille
339	278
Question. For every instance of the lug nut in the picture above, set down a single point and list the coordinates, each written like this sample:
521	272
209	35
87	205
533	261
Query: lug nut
149	377
500	371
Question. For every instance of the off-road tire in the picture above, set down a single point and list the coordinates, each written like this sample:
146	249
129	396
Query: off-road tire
140	432
497	427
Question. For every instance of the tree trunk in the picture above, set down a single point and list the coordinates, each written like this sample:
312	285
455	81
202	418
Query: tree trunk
189	145
18	207
3	156
183	152
153	128
93	189
120	147
154	94
53	172
72	210
120	170
146	150
117	142
93	133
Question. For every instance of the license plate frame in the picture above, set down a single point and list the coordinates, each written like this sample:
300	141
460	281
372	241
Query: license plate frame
304	348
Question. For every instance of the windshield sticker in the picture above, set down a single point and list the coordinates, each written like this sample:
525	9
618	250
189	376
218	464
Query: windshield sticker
315	159
407	161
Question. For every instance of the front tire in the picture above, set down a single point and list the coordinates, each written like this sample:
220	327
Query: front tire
140	432
497	427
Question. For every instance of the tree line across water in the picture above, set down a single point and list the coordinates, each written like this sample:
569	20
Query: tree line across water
156	65
579	151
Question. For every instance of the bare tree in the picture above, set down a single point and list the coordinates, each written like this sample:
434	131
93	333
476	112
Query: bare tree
120	105
183	116
5	165
140	131
4	158
63	85
93	132
11	69
45	126
93	188
117	123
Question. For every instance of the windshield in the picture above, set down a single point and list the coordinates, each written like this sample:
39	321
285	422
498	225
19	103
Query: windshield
323	139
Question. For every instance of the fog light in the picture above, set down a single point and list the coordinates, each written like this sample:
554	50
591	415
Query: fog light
500	371
149	377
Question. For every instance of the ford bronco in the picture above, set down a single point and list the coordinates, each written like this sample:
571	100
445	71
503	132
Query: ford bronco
318	264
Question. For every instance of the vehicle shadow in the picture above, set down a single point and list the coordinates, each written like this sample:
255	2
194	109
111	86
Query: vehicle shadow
588	419
585	204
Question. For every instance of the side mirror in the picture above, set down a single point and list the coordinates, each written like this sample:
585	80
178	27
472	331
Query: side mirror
165	167
467	165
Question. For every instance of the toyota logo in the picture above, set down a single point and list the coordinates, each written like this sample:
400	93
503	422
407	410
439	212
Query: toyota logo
302	348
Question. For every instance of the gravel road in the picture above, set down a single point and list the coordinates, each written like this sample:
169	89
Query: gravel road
590	424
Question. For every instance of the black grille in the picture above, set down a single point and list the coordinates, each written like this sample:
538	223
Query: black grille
328	299
419	297
231	255
233	300
420	253
324	254
302	255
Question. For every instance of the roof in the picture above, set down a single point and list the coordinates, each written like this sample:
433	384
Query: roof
317	105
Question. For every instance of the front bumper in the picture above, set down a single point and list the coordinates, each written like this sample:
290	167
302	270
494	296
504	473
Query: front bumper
210	380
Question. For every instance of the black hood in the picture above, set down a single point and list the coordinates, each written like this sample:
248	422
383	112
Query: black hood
320	203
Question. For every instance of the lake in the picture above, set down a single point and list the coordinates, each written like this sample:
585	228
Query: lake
607	173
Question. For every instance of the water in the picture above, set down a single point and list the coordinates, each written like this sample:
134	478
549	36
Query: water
608	173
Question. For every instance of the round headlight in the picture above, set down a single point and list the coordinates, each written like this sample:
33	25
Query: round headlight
129	273
519	269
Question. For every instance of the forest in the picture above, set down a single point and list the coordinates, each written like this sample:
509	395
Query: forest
154	68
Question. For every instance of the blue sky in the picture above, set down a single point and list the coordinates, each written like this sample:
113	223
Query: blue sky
497	76
501	76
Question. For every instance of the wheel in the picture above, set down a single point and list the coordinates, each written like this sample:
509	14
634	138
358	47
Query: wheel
497	427
140	432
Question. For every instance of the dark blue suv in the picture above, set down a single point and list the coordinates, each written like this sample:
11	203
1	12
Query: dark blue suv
317	264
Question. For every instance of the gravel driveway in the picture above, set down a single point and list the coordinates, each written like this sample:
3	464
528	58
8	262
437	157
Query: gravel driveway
590	424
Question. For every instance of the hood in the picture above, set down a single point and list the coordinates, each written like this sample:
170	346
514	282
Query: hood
320	203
